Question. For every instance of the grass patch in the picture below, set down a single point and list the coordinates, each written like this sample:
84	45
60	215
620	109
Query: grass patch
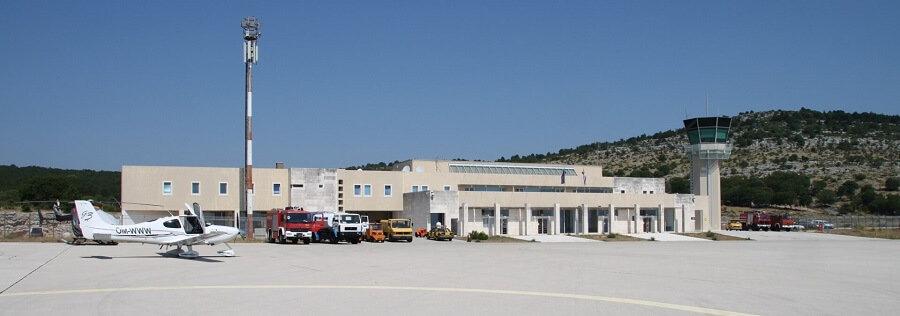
608	237
712	236
867	232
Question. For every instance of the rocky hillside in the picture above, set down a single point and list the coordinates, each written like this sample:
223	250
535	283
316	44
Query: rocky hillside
831	147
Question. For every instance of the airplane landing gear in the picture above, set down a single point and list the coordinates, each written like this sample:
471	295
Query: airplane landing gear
190	253
227	252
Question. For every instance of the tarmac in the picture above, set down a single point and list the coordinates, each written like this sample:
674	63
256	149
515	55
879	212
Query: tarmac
789	277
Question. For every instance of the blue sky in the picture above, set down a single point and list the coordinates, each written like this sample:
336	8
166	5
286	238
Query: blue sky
100	84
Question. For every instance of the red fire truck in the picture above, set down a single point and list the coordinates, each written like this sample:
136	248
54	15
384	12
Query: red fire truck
756	220
289	224
782	222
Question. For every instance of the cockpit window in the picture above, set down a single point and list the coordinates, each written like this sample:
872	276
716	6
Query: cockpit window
172	223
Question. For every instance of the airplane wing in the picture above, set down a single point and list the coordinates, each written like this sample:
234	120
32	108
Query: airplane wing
194	239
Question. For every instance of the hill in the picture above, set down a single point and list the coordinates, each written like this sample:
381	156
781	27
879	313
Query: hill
39	184
840	154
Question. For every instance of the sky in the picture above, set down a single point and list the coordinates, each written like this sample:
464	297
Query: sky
101	84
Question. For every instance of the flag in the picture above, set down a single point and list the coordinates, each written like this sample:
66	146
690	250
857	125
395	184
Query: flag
562	180
583	177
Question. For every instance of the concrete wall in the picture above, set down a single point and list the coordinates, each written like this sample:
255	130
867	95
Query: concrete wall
142	185
377	201
314	189
419	206
639	185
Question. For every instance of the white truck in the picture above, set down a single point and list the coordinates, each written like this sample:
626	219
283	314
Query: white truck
334	227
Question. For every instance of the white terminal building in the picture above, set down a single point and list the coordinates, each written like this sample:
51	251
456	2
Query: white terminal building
491	197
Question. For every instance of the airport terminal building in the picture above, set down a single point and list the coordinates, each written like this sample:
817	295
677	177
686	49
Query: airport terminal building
496	198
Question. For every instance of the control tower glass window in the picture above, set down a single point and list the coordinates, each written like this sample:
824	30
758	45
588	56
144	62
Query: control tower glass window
707	129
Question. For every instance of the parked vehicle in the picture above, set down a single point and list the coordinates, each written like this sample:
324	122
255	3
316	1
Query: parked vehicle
374	233
440	233
397	229
755	220
421	232
782	222
734	225
288	224
799	227
335	227
814	224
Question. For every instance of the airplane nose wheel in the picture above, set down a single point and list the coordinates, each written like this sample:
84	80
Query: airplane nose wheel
227	252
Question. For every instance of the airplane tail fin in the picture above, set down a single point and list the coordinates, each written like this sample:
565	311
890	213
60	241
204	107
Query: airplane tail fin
90	220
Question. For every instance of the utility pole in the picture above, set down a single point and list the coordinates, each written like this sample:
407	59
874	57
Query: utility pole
251	56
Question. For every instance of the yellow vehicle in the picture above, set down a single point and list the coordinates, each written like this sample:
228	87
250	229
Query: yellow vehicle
440	233
734	225
397	229
374	233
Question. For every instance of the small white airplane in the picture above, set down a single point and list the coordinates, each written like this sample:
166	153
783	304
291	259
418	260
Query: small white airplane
185	230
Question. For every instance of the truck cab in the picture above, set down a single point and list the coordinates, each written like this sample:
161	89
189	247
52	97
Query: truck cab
397	229
374	233
288	224
336	227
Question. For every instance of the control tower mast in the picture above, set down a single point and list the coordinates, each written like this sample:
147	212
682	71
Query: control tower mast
708	137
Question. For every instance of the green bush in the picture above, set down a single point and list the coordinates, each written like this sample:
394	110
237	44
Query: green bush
710	234
611	235
474	235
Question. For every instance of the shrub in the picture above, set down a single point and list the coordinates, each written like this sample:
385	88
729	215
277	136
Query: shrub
611	235
710	234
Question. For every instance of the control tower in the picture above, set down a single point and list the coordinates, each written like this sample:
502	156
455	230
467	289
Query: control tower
708	137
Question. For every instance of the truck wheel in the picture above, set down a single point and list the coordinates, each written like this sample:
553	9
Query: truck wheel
354	241
281	239
409	239
269	237
295	240
306	241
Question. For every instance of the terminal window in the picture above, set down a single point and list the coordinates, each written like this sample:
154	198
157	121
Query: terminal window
223	188
167	188
356	189
195	188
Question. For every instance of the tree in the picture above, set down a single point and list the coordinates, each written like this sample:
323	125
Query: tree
848	188
48	187
789	188
867	195
826	197
891	183
678	185
886	205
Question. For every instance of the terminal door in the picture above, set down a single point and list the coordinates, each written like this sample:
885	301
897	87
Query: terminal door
543	225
